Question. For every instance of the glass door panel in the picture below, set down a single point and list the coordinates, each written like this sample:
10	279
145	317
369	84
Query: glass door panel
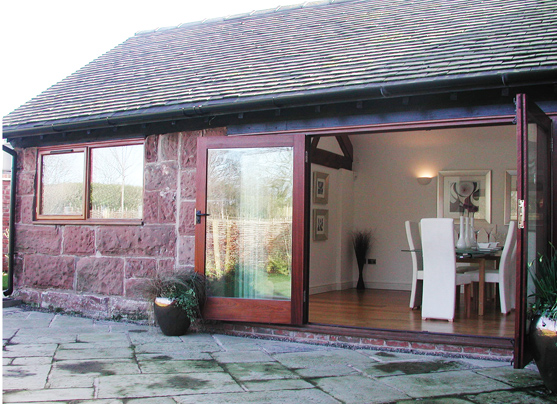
251	230
248	251
534	193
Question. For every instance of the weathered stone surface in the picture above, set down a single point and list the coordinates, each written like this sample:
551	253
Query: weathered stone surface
166	266
187	185
27	159
167	207
44	271
24	207
215	132
151	148
27	295
133	309
25	183
187	219
38	239
169	146
100	275
134	287
188	152
140	267
161	177
186	255
87	304
79	240
151	207
146	241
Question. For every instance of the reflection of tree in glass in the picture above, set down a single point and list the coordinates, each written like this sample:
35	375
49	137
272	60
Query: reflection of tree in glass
62	183
249	233
117	180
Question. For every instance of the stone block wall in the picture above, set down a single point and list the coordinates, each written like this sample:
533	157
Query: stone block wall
97	269
6	186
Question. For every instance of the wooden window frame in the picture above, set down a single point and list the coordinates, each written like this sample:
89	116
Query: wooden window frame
86	149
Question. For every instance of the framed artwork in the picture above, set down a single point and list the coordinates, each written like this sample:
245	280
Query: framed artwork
320	224
464	191
320	188
511	202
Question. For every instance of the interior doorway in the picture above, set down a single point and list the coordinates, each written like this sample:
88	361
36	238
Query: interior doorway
380	194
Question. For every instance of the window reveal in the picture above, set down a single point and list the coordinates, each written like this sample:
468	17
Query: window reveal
93	182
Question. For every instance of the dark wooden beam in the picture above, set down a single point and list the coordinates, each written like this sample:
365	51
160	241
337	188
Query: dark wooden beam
327	159
346	146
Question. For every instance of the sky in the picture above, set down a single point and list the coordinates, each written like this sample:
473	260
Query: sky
42	42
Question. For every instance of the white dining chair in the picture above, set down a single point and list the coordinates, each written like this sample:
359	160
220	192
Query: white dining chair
414	245
441	281
505	276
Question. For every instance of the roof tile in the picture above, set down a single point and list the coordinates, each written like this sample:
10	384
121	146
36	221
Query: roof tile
318	46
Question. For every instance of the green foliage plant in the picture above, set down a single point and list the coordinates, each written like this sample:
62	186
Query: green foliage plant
185	288
544	276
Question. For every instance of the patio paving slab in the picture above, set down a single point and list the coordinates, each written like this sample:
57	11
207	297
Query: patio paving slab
268	397
94	367
359	389
514	377
25	377
242	357
179	366
92	362
512	397
259	371
57	395
26	350
146	385
415	367
94	353
277	384
444	384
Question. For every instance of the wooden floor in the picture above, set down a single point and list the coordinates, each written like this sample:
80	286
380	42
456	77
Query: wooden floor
388	309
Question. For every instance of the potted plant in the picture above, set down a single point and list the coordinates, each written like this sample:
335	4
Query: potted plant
178	300
361	241
543	328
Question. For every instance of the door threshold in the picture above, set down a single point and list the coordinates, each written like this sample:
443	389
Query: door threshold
418	342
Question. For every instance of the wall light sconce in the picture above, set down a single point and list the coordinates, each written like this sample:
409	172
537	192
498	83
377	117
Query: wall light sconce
424	180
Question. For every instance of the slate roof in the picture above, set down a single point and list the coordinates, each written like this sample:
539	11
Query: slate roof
316	48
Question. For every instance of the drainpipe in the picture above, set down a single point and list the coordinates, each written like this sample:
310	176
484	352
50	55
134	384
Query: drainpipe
11	242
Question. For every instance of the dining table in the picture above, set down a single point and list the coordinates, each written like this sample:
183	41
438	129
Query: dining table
480	257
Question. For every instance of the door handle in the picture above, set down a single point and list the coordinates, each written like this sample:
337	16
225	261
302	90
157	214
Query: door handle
198	215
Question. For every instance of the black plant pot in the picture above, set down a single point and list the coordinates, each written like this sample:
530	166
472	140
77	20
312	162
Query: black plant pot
543	340
173	321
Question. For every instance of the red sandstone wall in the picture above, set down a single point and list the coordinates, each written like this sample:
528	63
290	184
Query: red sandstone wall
6	185
96	269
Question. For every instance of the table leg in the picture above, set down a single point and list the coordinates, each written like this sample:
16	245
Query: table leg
481	292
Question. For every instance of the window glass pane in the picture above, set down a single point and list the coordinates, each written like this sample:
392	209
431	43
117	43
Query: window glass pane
249	230
117	182
62	184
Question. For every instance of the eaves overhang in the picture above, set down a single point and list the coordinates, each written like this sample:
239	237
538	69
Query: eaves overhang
430	86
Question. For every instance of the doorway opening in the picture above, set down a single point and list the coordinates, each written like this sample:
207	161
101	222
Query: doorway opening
380	193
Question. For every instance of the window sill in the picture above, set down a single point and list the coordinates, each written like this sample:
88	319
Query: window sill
91	222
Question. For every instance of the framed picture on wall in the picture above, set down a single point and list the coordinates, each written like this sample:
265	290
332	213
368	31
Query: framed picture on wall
320	224
464	191
320	188
511	202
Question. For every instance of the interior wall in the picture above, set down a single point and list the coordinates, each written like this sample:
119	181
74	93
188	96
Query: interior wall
386	192
331	266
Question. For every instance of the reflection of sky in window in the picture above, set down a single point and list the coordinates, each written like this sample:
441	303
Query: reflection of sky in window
111	165
63	168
